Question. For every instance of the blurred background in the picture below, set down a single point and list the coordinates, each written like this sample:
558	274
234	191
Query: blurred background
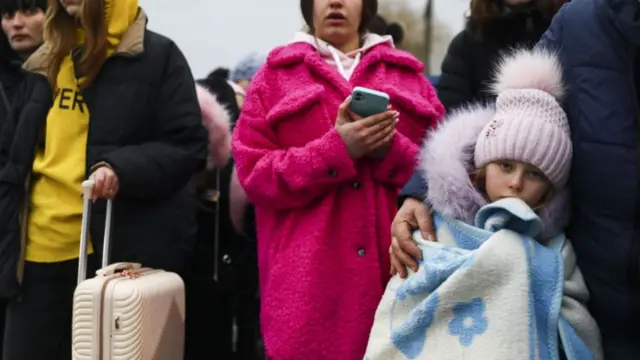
215	33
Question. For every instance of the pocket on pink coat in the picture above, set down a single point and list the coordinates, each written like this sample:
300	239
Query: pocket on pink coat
299	117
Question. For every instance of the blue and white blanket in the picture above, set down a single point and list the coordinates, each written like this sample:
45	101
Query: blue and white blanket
488	292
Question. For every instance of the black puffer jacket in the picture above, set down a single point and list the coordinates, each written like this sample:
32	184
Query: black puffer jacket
10	77
469	64
146	124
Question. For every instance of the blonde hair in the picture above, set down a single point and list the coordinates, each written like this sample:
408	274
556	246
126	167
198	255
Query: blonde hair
479	179
61	31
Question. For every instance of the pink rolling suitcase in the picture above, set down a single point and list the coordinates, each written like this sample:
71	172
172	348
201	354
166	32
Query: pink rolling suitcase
126	312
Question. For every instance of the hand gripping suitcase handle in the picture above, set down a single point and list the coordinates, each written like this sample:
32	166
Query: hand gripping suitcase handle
118	268
87	193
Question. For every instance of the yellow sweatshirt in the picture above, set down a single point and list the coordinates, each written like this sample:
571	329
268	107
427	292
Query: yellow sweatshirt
55	215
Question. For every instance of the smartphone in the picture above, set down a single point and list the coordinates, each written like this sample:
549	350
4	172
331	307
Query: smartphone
366	102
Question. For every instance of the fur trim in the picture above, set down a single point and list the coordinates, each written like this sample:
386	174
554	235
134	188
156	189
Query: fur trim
216	120
447	159
529	69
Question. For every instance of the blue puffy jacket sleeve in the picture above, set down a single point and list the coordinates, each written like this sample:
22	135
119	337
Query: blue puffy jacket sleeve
415	188
552	38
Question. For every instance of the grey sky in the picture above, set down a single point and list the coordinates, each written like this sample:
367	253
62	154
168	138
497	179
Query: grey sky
212	33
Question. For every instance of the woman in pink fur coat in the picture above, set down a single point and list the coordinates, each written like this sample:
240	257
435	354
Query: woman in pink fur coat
324	183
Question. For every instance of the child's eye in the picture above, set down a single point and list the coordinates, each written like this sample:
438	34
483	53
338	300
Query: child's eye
506	166
535	174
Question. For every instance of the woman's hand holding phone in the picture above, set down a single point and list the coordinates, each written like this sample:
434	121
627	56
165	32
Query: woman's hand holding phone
381	152
364	136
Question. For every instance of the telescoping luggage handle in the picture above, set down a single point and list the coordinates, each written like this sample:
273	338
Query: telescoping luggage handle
87	193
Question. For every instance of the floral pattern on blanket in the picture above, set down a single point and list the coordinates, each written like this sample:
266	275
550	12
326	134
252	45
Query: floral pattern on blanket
469	321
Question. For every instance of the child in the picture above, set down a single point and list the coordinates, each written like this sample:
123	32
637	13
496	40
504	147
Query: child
501	282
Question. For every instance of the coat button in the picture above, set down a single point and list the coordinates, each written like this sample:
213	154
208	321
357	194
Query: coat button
361	252
227	259
332	173
355	185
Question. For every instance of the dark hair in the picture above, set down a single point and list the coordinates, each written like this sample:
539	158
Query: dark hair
483	12
219	73
380	26
12	6
397	32
369	11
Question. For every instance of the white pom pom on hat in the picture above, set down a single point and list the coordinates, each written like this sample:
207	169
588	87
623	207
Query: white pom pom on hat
529	69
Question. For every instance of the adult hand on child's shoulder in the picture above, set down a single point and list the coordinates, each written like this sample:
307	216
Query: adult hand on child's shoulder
404	252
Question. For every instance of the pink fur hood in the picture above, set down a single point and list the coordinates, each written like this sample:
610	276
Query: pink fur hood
216	120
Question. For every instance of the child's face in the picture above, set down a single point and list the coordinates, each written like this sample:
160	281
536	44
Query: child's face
507	178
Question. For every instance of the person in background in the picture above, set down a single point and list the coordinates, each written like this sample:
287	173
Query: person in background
209	317
243	213
493	26
434	80
240	211
380	26
22	24
238	252
242	74
597	42
246	69
113	102
240	256
218	83
215	274
324	181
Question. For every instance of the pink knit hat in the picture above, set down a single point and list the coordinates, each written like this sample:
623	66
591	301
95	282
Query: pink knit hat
529	124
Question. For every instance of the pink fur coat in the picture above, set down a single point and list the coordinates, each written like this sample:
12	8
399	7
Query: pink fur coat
324	219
